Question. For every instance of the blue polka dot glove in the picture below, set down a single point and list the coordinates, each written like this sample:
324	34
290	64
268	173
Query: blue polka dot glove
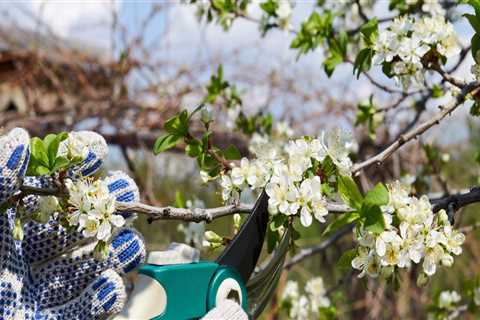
52	273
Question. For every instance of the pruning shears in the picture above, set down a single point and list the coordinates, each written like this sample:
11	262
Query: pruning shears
189	291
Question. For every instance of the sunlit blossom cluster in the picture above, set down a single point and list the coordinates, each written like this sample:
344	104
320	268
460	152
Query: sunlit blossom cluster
75	146
406	42
432	7
307	305
413	233
289	173
94	208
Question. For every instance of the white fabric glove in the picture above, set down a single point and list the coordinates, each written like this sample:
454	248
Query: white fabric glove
228	310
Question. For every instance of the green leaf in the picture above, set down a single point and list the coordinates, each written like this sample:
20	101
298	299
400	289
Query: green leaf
313	31
437	91
60	164
365	115
180	200
475	109
349	192
475	47
177	125
328	168
4	207
363	61
370	31
193	148
206	161
205	141
269	7
231	153
345	261
38	151
474	21
374	221
197	109
476	6
378	196
165	142
331	62
341	221
272	239
42	170
387	69
278	221
52	142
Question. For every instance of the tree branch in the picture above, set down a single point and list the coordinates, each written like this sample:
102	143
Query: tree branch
458	200
420	129
322	246
172	213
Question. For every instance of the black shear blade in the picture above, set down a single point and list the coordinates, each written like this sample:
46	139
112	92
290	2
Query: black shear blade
262	285
243	251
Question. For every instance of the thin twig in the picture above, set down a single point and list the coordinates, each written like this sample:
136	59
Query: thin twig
322	246
420	129
449	78
457	312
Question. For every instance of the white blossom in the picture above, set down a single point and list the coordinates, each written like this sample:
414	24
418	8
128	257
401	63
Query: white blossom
406	41
290	171
447	299
299	309
338	144
282	128
229	190
94	213
74	147
291	291
316	291
367	262
476	296
240	174
412	233
284	14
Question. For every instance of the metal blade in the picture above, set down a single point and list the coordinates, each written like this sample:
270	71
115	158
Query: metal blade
262	285
243	251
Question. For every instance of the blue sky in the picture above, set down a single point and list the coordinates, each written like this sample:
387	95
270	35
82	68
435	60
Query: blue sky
176	36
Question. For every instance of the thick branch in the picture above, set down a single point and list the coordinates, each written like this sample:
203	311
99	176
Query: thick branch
172	213
458	200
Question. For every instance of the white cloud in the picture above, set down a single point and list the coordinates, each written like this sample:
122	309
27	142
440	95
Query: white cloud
86	21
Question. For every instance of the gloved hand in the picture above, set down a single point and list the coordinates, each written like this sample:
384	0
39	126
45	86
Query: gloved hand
52	273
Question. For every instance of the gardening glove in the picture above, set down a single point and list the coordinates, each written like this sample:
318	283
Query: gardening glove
52	273
228	310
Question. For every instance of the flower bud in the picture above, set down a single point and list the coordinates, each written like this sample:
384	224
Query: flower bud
237	219
212	237
101	250
422	279
18	229
206	115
